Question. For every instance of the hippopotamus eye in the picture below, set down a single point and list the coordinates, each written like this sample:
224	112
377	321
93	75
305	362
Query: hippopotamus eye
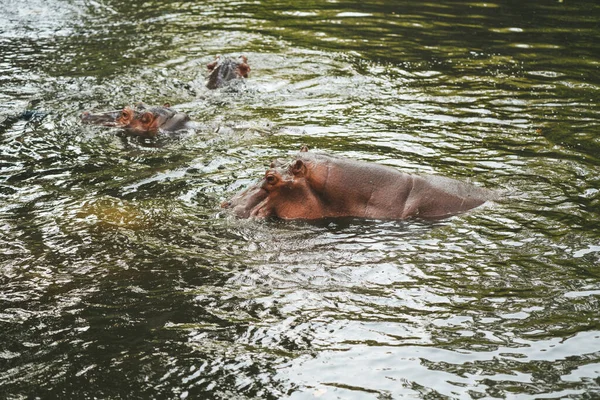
271	179
125	115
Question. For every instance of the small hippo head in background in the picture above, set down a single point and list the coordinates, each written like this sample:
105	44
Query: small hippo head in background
226	70
141	120
316	186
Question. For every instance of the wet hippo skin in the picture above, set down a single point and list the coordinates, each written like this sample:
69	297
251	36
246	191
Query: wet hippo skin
141	120
224	70
315	186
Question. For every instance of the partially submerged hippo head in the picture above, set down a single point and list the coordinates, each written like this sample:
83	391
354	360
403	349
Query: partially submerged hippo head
226	70
141	120
318	186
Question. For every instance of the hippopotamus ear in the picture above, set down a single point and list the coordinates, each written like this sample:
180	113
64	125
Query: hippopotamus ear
212	65
243	70
298	168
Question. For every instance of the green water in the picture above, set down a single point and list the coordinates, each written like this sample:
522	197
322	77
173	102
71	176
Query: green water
121	277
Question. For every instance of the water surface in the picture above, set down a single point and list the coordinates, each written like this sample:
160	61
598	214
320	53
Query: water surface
122	278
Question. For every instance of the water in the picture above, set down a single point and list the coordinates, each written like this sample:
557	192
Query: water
121	276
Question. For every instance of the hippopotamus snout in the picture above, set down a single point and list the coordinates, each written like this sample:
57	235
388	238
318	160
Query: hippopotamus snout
108	118
243	203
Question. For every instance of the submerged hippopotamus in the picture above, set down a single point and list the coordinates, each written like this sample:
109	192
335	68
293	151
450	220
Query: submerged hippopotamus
226	70
315	186
142	120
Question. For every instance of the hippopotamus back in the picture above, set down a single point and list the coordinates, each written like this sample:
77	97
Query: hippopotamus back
317	186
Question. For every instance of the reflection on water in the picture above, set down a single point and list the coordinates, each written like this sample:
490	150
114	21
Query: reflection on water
122	277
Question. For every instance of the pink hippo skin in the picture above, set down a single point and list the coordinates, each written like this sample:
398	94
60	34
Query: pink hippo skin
318	186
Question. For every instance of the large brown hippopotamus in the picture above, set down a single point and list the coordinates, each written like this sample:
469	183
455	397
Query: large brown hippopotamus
315	186
142	120
226	70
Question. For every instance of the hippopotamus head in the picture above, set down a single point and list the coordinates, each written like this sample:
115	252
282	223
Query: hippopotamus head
226	70
140	120
283	192
315	186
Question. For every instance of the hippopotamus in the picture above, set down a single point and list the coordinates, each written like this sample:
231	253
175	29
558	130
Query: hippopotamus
142	120
316	186
226	70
